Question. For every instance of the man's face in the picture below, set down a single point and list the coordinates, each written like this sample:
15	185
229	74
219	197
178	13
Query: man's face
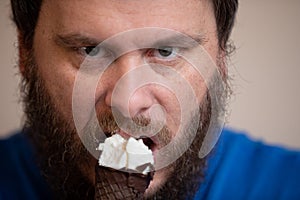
67	30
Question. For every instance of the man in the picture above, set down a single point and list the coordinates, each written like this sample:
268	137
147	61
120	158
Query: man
130	42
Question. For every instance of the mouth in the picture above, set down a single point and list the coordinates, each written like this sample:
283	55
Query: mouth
150	142
153	144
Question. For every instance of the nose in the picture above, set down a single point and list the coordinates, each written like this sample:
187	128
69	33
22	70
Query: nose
126	93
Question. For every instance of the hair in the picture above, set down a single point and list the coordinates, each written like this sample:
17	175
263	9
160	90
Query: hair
25	15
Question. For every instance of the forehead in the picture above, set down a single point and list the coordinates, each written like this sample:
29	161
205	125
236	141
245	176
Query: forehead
108	17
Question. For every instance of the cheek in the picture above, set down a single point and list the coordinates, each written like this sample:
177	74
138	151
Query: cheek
60	86
199	85
182	97
168	100
196	85
56	69
58	77
178	104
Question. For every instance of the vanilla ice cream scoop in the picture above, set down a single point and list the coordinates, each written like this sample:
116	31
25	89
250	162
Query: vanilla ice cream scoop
119	153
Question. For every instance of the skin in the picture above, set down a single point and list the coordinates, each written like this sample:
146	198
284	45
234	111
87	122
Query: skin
58	64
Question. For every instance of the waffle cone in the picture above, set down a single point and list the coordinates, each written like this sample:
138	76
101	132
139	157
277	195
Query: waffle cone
112	184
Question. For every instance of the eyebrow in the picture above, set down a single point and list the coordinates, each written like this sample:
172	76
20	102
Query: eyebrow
182	40
79	39
75	39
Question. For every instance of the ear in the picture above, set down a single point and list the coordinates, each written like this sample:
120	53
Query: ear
23	53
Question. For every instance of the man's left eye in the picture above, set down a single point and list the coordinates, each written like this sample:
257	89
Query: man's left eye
165	52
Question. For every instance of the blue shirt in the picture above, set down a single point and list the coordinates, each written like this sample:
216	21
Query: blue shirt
239	168
19	176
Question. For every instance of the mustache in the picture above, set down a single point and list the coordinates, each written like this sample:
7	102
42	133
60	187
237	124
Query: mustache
109	122
99	127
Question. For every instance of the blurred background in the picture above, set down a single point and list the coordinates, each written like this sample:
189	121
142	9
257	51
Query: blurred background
265	70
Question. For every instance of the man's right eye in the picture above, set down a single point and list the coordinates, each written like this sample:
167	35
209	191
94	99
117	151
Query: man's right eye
90	51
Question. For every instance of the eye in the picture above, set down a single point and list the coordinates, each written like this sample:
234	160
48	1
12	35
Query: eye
167	55
165	52
90	51
98	52
94	57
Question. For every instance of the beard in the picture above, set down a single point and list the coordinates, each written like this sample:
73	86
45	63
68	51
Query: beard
60	152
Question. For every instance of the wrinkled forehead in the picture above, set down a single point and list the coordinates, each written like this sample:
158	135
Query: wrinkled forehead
105	18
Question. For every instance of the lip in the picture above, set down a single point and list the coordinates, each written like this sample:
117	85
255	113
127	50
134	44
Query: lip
123	134
155	146
155	143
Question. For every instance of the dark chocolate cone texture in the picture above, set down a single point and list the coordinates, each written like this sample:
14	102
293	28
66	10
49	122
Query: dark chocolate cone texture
112	184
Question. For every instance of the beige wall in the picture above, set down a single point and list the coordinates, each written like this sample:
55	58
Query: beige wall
10	110
265	68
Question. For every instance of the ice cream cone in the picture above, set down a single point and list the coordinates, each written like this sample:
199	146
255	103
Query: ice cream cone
112	184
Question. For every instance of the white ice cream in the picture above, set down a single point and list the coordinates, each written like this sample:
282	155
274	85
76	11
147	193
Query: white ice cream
132	154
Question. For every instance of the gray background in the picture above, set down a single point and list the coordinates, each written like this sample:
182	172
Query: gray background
265	69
